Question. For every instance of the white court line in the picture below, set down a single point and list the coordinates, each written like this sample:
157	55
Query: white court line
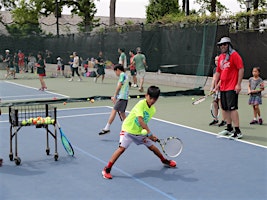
37	89
188	127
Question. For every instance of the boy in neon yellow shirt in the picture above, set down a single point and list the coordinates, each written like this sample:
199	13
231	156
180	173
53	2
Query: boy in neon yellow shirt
132	126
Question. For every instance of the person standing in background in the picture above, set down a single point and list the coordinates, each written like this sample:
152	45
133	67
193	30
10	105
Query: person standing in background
21	63
100	65
132	68
75	66
41	71
139	61
122	58
255	87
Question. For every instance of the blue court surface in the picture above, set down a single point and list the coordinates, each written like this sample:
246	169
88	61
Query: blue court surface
208	167
10	91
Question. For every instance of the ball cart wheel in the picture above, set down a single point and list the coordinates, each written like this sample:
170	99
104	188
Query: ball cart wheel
47	151
17	160
11	156
56	157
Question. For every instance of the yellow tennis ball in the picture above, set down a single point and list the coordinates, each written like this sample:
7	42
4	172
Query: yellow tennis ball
138	97
88	99
144	132
193	98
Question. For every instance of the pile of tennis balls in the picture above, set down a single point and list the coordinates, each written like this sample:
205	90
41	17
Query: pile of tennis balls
37	120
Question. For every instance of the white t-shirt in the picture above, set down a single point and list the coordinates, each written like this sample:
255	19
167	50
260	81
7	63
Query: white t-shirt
75	62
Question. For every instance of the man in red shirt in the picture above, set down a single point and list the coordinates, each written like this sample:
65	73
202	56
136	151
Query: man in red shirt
230	72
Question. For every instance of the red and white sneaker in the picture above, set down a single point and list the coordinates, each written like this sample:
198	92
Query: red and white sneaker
169	163
106	173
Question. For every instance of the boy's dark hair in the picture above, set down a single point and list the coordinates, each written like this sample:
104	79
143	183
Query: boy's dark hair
153	92
119	67
122	49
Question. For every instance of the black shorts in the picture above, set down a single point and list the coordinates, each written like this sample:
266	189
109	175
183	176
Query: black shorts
133	72
229	100
121	105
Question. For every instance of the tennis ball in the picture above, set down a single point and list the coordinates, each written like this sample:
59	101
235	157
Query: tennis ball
193	98
34	121
138	97
129	97
52	121
144	132
24	122
92	101
88	99
30	121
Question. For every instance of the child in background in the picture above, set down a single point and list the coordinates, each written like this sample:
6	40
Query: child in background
132	127
256	85
119	99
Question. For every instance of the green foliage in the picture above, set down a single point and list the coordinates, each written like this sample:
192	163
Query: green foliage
159	8
86	9
25	21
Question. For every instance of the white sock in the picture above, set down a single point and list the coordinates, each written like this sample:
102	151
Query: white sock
107	126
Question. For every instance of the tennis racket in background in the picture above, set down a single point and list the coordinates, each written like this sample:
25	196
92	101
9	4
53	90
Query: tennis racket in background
65	142
201	99
260	87
171	146
215	112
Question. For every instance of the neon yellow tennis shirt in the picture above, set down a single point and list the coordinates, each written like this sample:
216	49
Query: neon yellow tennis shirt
141	109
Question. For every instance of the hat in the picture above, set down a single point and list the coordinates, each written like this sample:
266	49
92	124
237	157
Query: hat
58	58
224	40
7	50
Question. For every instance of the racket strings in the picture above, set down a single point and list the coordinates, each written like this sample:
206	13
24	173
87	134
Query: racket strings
173	147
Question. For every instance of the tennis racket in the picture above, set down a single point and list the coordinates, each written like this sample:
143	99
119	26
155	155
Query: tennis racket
201	99
171	146
119	115
215	113
65	142
259	87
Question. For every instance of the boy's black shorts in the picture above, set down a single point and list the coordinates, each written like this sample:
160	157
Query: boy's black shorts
229	100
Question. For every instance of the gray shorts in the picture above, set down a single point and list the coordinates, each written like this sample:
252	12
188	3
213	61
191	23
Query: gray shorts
121	105
126	139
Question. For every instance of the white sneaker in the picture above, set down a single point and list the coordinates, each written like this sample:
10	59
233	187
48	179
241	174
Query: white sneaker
71	80
225	132
135	85
79	80
236	136
95	79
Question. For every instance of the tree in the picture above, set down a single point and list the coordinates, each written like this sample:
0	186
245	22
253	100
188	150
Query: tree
86	10
213	6
158	8
25	18
112	11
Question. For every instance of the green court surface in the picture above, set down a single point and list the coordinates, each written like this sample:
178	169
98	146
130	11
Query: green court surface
177	109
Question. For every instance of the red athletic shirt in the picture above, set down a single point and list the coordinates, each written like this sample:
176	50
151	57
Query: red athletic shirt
229	70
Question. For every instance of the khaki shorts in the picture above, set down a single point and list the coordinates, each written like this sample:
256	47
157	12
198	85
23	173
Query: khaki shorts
141	73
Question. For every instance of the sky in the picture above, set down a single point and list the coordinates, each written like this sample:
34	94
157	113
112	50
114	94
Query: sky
137	8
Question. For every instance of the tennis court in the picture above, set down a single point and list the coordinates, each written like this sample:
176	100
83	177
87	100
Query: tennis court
208	168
